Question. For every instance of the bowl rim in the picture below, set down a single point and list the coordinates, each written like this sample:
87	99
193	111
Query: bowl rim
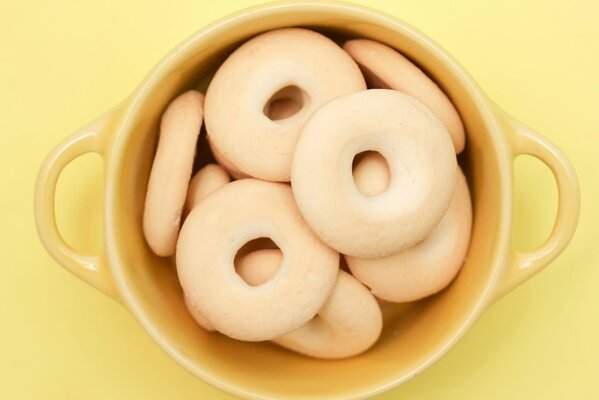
130	113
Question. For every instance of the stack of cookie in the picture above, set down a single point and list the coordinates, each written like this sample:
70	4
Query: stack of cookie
323	154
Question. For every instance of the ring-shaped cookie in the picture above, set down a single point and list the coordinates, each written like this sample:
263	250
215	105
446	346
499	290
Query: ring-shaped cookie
171	171
386	68
295	66
421	160
348	324
430	265
210	238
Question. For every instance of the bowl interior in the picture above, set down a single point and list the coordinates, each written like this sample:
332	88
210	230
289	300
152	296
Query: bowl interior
415	334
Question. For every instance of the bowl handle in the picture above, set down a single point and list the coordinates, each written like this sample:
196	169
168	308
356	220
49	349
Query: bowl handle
525	265
91	269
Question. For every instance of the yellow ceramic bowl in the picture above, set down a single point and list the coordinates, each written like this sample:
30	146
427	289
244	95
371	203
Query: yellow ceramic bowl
415	335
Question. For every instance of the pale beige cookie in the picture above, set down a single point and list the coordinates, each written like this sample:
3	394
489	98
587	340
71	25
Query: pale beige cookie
430	265
422	165
205	181
265	90
218	227
348	324
171	171
386	68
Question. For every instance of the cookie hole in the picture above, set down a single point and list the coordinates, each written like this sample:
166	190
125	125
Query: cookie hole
285	103
371	173
258	261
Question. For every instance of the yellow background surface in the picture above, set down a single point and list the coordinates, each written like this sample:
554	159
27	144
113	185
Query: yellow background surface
64	62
